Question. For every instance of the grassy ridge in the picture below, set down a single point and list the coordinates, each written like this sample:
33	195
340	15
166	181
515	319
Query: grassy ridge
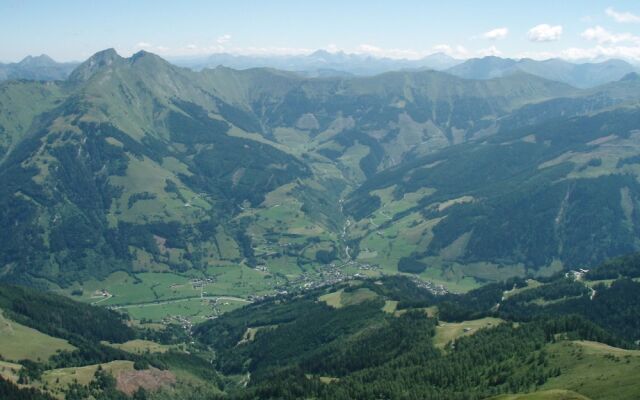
18	342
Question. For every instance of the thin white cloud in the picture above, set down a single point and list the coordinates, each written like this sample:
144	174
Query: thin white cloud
332	48
545	33
267	51
599	53
162	49
489	51
379	52
536	55
223	39
495	34
603	36
455	52
622	17
143	45
192	46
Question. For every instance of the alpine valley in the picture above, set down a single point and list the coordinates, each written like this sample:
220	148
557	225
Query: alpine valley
172	233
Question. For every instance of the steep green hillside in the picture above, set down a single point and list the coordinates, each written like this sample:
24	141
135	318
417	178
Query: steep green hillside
134	167
562	192
89	197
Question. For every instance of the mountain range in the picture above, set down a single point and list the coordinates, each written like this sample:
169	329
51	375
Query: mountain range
220	233
320	63
136	165
584	75
38	68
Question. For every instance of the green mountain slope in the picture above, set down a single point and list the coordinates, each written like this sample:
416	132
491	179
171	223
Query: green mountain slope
82	190
136	165
563	190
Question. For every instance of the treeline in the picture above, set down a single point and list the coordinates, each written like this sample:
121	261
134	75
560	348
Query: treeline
360	351
85	327
227	330
615	308
103	384
101	387
626	266
476	303
61	317
11	391
504	359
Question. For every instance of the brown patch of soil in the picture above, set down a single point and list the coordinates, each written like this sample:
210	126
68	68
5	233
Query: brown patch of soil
149	379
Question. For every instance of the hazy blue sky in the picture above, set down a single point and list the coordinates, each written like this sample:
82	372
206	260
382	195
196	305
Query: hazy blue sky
73	30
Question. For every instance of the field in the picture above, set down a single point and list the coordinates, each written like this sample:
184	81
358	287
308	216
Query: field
531	284
390	306
554	394
123	288
19	342
595	370
449	331
195	310
139	346
58	379
167	296
9	370
341	298
589	370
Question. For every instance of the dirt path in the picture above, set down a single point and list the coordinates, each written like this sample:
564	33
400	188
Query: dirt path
103	299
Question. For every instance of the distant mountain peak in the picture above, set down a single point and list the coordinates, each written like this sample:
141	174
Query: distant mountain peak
107	55
439	54
97	62
145	56
141	54
102	58
582	75
37	61
320	53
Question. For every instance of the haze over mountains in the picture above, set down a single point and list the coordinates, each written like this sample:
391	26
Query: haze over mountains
38	68
322	63
582	75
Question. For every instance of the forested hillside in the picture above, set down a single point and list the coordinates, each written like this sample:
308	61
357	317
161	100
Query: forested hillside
389	337
136	165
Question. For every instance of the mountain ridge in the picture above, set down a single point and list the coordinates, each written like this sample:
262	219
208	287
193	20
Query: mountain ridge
182	168
584	75
39	68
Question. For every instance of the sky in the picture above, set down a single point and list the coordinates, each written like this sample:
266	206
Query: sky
72	30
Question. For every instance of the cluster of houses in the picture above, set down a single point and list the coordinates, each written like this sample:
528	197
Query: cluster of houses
184	322
577	275
199	283
430	286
